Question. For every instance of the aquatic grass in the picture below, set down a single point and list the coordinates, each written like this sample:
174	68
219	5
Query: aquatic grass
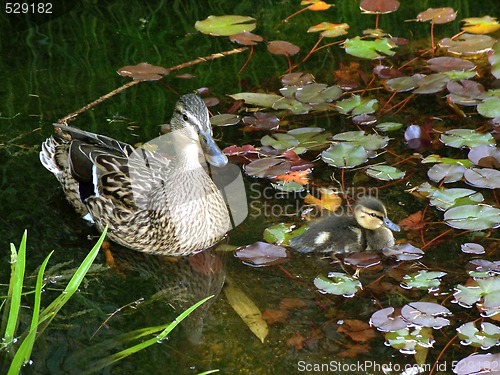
39	321
138	334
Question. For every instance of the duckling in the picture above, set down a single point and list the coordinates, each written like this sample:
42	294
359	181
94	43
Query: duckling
368	229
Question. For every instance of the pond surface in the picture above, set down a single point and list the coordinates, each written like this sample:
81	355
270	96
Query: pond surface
51	66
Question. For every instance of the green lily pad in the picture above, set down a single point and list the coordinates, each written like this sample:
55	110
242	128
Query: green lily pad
473	217
225	25
456	75
388	126
360	138
485	338
466	138
486	292
315	93
278	234
444	199
357	105
490	107
385	173
344	155
426	280
369	49
311	138
224	119
403	84
257	99
280	141
337	283
407	340
440	159
292	105
432	83
288	186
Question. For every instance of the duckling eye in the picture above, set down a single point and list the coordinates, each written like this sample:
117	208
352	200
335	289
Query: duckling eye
185	117
373	214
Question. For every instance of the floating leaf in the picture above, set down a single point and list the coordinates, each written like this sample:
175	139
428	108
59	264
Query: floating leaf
466	138
403	84
485	156
446	172
267	168
311	138
262	254
389	126
262	121
343	155
484	291
427	280
437	15
478	364
316	93
246	38
258	99
426	314
281	142
480	25
363	259
444	199
494	60
225	25
247	311
410	341
387	320
282	47
278	234
316	5
368	141
468	44
364	119
472	248
385	173
485	267
369	49
403	252
444	160
224	119
446	63
483	178
297	79
329	30
431	83
143	72
473	217
379	6
337	283
357	105
490	107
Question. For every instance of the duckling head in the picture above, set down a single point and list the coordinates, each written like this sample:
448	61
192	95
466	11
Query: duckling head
371	214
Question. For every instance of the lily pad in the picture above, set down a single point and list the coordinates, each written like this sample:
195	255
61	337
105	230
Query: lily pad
357	105
426	314
385	173
490	107
468	44
369	49
409	340
483	178
486	337
329	30
258	99
311	138
472	248
389	126
224	119
485	292
344	155
447	63
262	121
476	364
317	93
282	47
225	25
494	60
262	254
360	138
444	199
379	6
292	105
268	167
278	234
403	84
473	217
437	15
280	141
446	172
480	25
433	158
387	320
337	283
485	156
426	280
246	38
403	252
466	138
432	83
143	72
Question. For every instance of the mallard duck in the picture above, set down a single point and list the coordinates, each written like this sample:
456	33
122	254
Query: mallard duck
157	198
367	229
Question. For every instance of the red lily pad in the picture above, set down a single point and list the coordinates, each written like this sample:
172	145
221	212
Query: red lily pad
379	6
261	254
262	121
143	72
282	47
437	15
246	38
446	63
468	44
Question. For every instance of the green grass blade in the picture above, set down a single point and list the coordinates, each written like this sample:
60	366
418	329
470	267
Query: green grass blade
50	312
134	349
23	354
18	261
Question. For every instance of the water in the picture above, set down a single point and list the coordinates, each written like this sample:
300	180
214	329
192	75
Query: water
58	65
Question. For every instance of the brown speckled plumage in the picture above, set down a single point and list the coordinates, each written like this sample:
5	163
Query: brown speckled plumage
159	200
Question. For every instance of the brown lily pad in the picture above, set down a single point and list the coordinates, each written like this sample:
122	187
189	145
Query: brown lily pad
143	72
282	47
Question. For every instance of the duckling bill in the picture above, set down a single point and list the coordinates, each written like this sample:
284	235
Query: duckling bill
367	229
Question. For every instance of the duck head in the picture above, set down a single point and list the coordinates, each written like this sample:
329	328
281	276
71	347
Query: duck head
191	119
371	214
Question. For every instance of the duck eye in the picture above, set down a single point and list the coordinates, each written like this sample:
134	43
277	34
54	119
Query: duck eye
185	117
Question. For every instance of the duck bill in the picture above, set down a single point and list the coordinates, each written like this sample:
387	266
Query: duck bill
389	224
212	152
